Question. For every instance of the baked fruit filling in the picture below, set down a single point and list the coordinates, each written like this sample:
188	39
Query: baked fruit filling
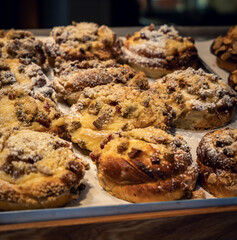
158	52
232	80
225	48
216	158
144	165
20	108
82	41
37	170
70	78
200	100
103	110
16	44
24	74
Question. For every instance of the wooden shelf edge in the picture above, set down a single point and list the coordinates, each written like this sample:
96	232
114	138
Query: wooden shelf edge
117	218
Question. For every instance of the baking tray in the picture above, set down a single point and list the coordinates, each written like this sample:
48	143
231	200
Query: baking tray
93	207
53	214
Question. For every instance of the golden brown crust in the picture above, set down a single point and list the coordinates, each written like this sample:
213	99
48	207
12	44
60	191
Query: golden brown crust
37	170
21	44
157	72
26	75
82	41
225	48
105	109
21	108
227	65
201	100
70	78
232	80
145	165
159	52
216	158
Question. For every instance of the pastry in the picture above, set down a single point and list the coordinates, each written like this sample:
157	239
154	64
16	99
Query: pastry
37	170
71	78
25	74
216	158
232	80
159	52
225	49
200	100
21	44
20	108
105	109
82	41
145	165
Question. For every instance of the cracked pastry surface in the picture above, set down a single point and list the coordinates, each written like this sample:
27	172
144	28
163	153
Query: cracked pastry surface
200	100
15	44
25	74
225	48
71	78
82	41
216	158
20	108
105	109
145	165
159	52
37	170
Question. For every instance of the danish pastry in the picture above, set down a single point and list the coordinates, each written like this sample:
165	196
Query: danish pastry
225	49
82	41
37	170
71	78
200	100
216	158
20	108
25	74
105	109
232	80
159	52
21	44
145	165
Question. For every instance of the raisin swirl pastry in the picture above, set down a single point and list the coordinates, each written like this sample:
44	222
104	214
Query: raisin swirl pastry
72	77
145	165
159	52
200	100
105	109
216	158
232	80
21	44
37	170
82	41
25	74
20	108
225	49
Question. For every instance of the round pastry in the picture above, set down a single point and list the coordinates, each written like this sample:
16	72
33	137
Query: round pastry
82	41
200	100
232	80
225	48
159	52
37	170
145	165
21	44
22	109
25	74
216	158
105	109
71	78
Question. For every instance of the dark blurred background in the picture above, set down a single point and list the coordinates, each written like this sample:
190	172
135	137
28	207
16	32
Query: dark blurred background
114	13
